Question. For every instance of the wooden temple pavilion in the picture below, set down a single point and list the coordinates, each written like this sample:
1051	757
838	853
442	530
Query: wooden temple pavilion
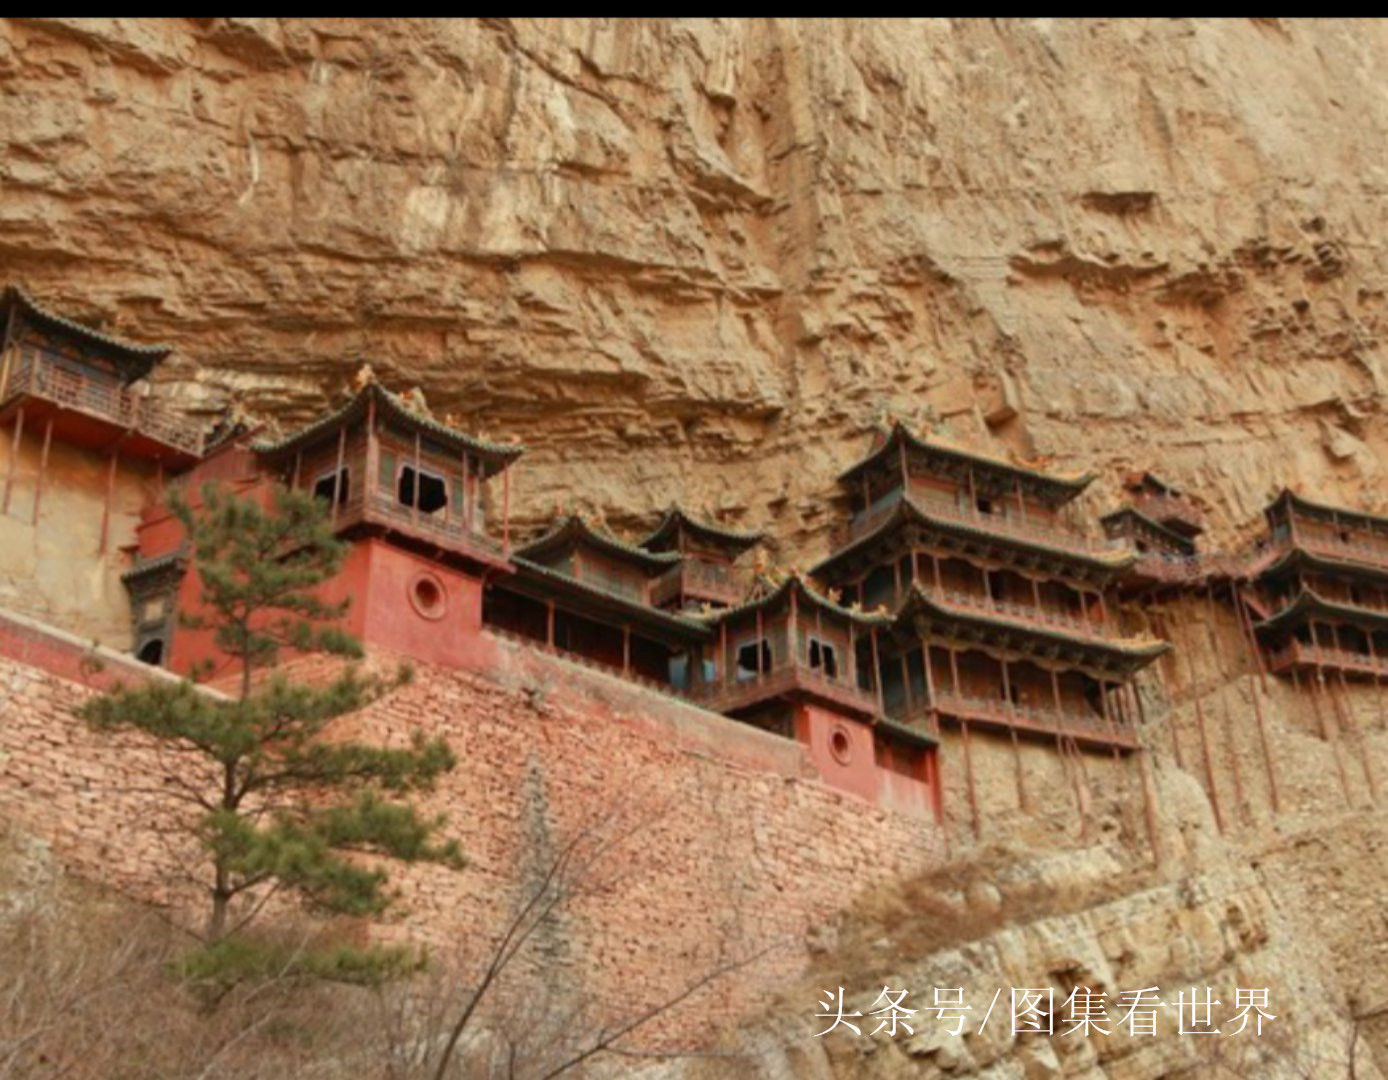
63	381
580	590
387	467
1001	613
787	661
707	575
1319	590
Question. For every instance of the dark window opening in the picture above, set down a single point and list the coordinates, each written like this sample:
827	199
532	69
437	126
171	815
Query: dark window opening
1142	547
1010	692
985	505
824	658
433	492
1356	595
997	584
323	487
1344	535
152	652
747	657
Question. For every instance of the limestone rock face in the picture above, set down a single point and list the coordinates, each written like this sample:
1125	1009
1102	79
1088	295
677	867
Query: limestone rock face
699	260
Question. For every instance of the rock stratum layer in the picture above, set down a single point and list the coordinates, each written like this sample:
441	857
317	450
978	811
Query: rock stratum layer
700	260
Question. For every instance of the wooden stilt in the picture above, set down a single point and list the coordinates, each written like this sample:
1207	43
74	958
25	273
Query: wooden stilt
626	650
1016	748
1205	753
761	644
1358	733
14	459
549	625
110	497
43	467
1217	655
969	773
932	710
1065	763
876	670
1317	689
337	474
1246	624
723	653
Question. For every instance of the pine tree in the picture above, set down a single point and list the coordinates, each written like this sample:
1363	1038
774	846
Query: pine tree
285	807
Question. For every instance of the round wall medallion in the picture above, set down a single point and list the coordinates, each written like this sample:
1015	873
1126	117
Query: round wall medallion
428	596
841	745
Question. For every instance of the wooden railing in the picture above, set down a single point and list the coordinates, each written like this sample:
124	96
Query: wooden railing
38	372
1094	628
1044	721
1297	653
781	679
1002	524
382	507
700	580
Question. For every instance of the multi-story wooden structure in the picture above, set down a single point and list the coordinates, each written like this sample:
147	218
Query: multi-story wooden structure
1161	525
1001	616
707	576
87	441
579	590
1319	589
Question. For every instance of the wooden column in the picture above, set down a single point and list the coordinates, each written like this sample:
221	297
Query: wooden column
1317	689
549	627
110	497
1246	625
969	776
298	465
792	635
14	459
1346	719
1070	767
7	352
418	480
896	577
933	709
1205	747
337	474
506	511
626	650
467	491
761	643
906	684
876	670
723	664
43	466
370	482
935	568
1022	800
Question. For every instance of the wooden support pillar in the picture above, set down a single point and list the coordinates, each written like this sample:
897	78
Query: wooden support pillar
549	628
906	684
1317	689
506	512
14	459
896	578
1246	625
298	465
1081	806
626	650
1021	500
1019	775
467	491
853	653
418	480
1217	656
723	663
761	643
969	775
935	570
933	709
43	466
1103	607
8	347
337	473
110	498
876	670
1205	752
973	493
1364	752
792	628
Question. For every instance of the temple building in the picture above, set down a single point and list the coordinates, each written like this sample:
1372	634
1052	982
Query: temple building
87	443
410	493
577	589
1319	590
1161	525
786	661
1000	616
707	576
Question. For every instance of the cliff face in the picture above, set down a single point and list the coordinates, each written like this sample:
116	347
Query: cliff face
701	260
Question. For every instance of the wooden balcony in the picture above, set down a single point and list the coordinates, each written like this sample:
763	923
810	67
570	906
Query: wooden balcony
1086	728
444	531
786	680
693	579
1040	617
93	410
1006	525
1297	654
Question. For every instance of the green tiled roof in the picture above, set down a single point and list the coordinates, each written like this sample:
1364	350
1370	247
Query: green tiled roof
148	354
573	531
1185	543
676	517
1308	603
152	566
1287	495
808	592
685	627
1296	554
906	506
392	407
1143	648
1066	486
